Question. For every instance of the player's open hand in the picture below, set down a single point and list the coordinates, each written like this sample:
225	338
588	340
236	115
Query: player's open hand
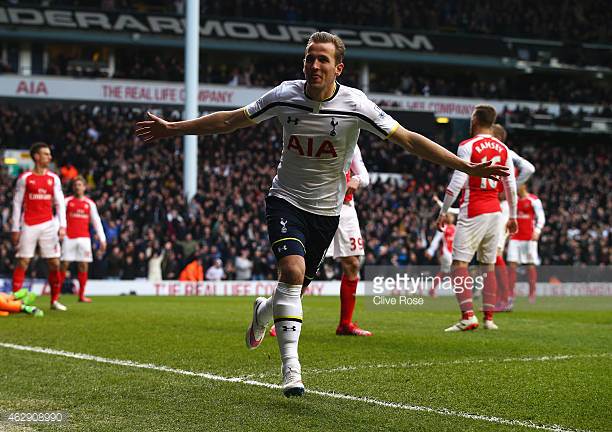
512	226
153	129
102	247
61	234
487	170
441	222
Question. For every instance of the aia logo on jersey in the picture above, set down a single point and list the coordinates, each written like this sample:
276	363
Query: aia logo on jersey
308	147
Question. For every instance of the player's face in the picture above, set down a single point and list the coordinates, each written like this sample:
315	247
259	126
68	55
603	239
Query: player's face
79	188
320	68
43	158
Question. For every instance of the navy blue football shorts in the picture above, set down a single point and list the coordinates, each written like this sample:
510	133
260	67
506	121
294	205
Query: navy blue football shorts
294	231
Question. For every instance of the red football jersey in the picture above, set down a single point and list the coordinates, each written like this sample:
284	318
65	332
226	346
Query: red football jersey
530	217
449	236
80	212
35	194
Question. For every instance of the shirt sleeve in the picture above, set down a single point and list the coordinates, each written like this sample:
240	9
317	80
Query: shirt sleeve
373	119
18	204
60	202
457	182
358	169
96	221
266	107
524	167
539	214
510	188
433	247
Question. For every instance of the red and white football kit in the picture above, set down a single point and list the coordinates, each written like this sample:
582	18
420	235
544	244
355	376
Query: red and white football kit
80	212
480	211
446	255
479	219
35	197
531	219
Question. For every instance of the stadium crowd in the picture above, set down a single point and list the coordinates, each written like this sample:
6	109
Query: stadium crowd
152	233
587	20
408	80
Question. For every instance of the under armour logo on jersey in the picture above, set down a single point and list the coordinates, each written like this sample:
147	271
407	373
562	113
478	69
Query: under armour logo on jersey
283	223
287	328
294	121
333	124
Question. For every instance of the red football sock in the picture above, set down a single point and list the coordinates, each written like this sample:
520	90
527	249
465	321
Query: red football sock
467	314
54	279
464	295
18	278
62	278
511	281
348	288
82	282
533	278
489	294
501	271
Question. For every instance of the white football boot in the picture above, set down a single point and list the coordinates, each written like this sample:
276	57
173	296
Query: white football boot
464	325
58	306
292	382
256	332
490	325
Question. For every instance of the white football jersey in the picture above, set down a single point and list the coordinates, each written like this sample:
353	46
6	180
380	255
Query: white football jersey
319	138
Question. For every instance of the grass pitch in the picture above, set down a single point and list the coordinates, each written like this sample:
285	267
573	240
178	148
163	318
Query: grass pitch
549	364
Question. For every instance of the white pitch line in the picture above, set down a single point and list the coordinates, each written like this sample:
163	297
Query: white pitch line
406	365
367	400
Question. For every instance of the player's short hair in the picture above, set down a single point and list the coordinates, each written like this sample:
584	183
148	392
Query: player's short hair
325	37
485	115
79	178
499	132
36	148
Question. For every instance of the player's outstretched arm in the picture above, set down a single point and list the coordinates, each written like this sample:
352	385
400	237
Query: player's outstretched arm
429	150
220	122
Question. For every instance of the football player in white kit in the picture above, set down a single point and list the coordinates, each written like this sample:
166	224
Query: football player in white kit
321	122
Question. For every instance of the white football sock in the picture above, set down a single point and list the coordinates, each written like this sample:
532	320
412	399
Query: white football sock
287	305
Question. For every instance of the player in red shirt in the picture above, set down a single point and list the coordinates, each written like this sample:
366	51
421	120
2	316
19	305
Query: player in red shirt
33	223
523	170
523	246
446	254
479	218
80	212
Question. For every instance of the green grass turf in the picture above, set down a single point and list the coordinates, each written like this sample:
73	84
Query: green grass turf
206	334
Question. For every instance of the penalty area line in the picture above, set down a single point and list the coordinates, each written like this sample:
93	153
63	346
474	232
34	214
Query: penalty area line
328	394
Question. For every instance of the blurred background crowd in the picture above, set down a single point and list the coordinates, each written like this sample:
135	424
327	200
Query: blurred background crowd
153	234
